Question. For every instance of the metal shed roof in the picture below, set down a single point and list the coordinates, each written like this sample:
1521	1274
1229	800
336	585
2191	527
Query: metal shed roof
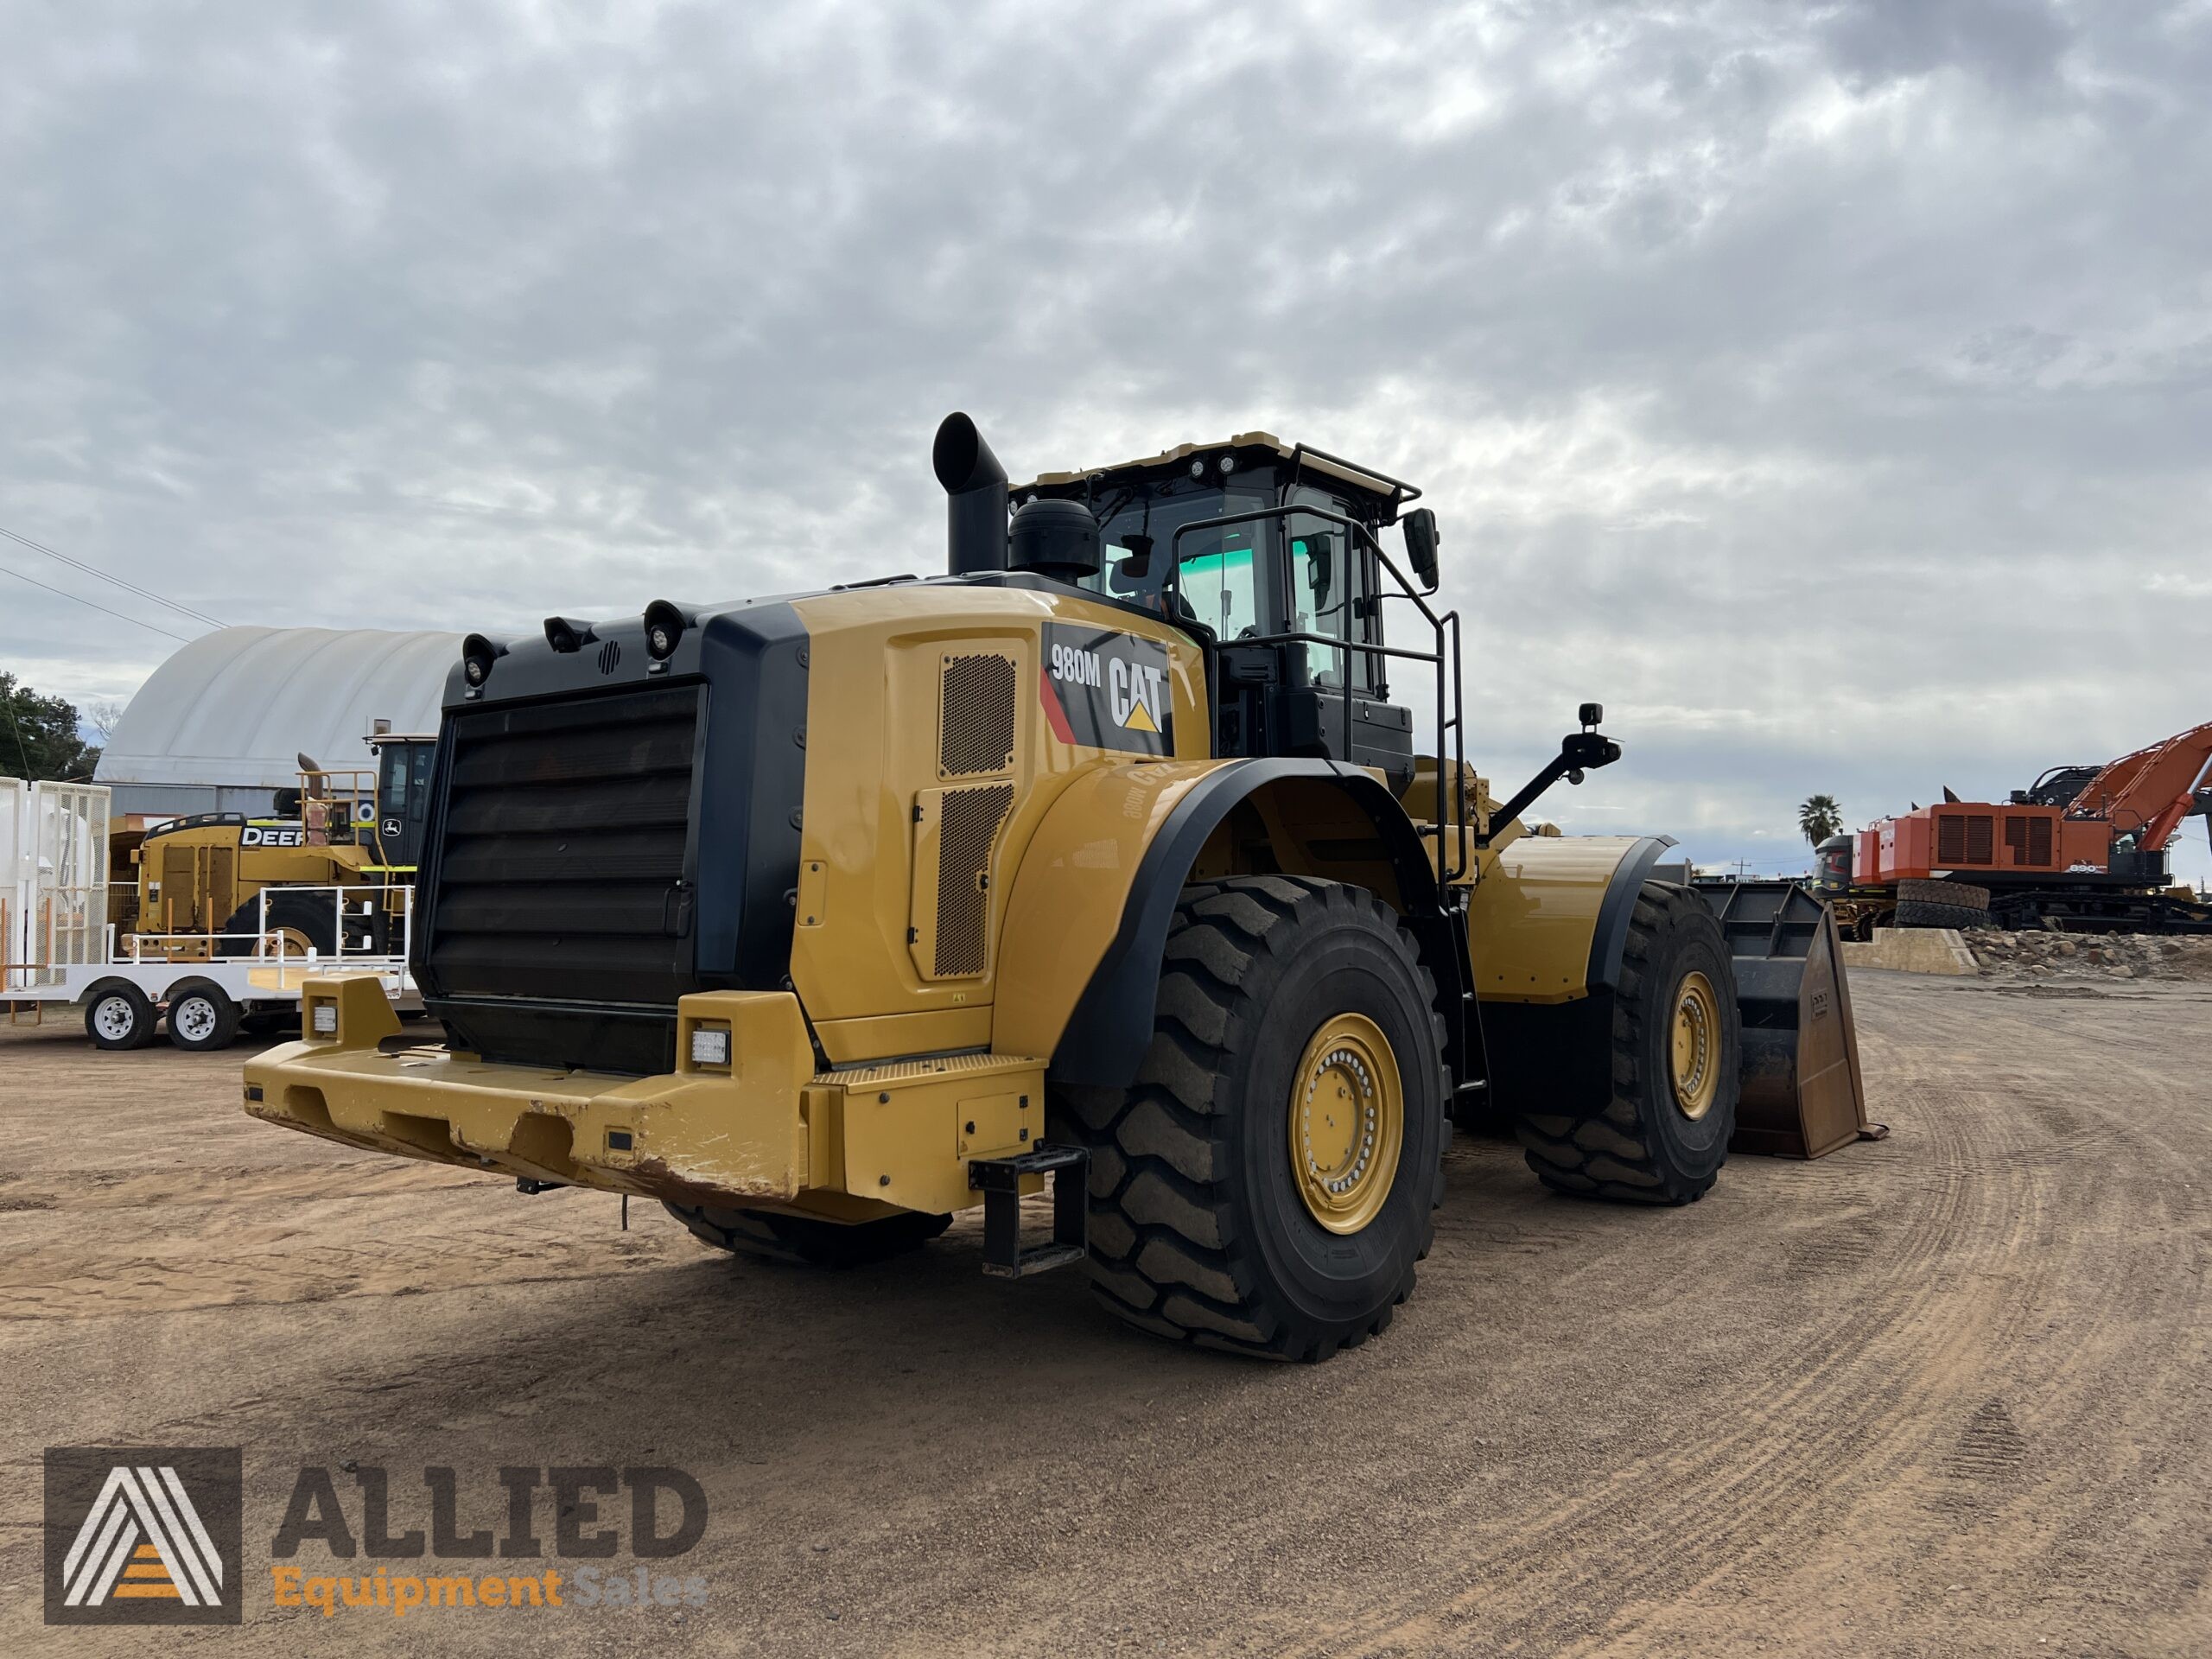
235	707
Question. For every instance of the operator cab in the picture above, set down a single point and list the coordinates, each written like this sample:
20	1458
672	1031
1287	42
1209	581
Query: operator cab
1832	861
1312	576
403	798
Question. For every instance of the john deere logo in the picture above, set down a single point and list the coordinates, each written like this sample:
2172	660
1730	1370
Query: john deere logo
143	1535
609	655
1106	690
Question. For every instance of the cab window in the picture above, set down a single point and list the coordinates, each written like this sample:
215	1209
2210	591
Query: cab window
393	786
419	798
1223	570
1219	582
1331	591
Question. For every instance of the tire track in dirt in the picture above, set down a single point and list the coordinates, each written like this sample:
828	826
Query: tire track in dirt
1822	1438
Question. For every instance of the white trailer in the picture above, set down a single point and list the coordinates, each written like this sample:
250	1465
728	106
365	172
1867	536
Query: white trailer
58	951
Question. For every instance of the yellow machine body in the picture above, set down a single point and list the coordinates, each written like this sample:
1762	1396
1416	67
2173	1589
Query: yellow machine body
919	1069
194	879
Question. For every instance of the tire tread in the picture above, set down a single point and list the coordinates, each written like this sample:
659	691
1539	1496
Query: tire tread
1165	1255
1611	1155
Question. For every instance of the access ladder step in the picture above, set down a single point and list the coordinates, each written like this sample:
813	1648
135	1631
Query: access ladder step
999	1179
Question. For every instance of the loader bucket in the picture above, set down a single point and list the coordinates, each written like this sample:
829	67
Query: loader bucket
1803	1093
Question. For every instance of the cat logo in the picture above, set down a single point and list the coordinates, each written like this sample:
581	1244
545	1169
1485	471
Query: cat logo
157	1544
1104	690
1134	693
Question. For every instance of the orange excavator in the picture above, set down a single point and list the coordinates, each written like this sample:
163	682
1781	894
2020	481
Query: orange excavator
2083	849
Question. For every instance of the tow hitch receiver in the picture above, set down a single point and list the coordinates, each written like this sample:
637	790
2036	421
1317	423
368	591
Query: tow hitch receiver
999	1179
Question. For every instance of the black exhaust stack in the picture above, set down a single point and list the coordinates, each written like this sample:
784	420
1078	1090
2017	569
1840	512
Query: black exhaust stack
974	484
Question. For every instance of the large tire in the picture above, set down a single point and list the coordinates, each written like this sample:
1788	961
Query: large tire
202	1018
120	1016
1276	994
803	1241
303	917
1920	913
1958	895
1655	1142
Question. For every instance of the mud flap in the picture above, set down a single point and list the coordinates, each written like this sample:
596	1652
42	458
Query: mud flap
1803	1095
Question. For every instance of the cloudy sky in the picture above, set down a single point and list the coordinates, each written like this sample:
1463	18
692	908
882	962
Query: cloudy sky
1825	389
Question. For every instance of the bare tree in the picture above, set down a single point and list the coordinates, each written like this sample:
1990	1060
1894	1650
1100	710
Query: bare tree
104	714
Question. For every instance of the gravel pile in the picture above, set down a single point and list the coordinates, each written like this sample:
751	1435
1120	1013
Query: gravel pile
2094	956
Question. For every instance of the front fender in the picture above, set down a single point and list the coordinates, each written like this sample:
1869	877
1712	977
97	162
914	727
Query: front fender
1548	923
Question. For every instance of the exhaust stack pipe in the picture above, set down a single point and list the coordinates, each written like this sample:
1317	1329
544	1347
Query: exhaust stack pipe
975	486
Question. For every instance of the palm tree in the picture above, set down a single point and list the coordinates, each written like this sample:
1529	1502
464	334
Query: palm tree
1819	818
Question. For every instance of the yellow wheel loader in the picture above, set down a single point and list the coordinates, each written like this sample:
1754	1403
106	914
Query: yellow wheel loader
225	884
1104	860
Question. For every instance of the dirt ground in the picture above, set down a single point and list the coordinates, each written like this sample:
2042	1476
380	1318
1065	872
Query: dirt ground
1947	1393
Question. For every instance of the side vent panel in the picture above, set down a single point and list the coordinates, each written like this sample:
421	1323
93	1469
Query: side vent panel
2028	839
1966	838
975	719
957	832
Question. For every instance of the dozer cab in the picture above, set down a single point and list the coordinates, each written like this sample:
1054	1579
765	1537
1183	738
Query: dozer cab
1108	858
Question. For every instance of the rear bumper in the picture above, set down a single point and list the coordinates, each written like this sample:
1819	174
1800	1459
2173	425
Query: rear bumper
763	1128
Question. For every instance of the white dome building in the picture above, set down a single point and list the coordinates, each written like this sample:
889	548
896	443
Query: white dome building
220	725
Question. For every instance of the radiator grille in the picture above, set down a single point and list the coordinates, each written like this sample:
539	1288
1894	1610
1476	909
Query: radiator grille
1966	838
2028	839
975	703
972	817
561	869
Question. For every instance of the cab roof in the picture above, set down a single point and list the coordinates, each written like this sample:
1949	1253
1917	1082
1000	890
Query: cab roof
1250	449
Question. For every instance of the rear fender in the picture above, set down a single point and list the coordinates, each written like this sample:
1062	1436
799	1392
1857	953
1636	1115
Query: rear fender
1089	917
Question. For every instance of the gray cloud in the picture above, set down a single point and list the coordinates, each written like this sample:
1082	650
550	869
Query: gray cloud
1824	389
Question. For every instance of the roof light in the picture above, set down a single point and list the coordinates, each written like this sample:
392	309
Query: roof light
477	656
665	626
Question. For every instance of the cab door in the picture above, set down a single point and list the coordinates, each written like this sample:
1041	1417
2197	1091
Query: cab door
403	801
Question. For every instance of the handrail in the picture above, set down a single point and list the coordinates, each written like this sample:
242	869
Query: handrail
1446	658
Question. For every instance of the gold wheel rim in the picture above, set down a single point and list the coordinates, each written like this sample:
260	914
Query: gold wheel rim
1696	1050
288	941
1347	1122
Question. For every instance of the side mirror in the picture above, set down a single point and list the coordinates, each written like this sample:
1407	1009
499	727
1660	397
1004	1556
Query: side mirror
1321	561
1420	546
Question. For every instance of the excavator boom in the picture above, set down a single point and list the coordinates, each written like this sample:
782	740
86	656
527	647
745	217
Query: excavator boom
2152	790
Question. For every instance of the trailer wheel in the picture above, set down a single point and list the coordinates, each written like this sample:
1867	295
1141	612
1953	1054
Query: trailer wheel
120	1016
803	1241
1269	1183
202	1018
1677	1064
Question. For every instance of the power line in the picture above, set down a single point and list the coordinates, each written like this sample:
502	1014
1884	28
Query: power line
9	700
102	609
94	571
